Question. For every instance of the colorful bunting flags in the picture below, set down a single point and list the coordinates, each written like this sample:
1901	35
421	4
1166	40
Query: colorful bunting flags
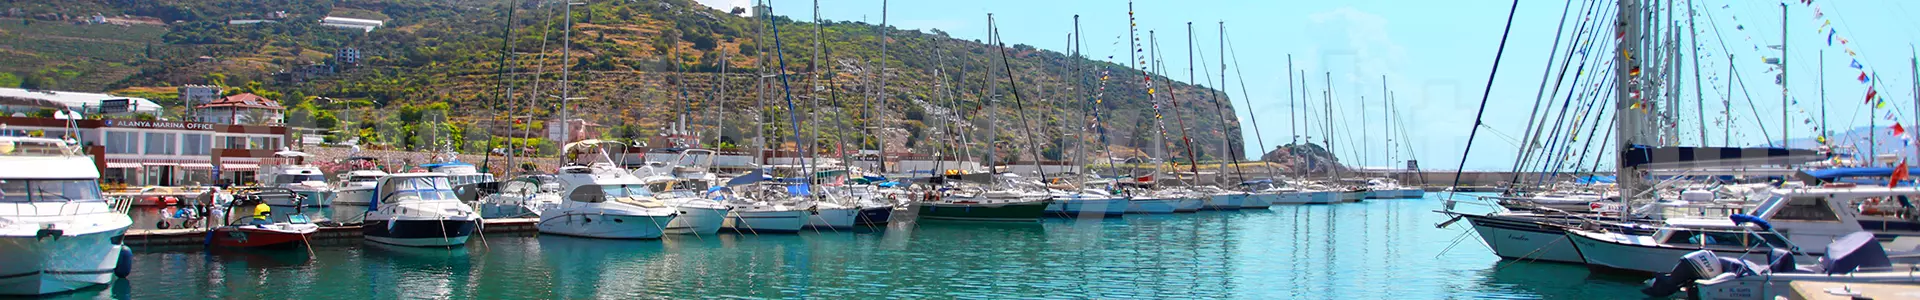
1897	130
1856	65
1830	33
1864	79
1870	92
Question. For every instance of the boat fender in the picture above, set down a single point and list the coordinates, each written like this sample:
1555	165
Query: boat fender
124	267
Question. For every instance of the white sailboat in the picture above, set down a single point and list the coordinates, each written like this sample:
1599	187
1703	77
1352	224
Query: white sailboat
56	232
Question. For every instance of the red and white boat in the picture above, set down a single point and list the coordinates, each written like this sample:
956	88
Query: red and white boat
253	235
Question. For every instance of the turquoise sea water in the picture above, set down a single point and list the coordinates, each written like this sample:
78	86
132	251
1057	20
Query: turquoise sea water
1378	249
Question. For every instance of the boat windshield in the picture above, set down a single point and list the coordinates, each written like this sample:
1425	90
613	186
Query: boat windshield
49	190
597	194
418	189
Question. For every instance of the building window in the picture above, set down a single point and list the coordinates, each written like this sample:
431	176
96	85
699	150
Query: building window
122	142
196	144
161	143
235	142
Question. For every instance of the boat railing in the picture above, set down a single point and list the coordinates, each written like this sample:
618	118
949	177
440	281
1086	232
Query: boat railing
66	208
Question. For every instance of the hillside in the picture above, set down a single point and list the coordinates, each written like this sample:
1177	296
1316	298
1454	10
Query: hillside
434	72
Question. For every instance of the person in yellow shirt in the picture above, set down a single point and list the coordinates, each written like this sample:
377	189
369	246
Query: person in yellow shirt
261	212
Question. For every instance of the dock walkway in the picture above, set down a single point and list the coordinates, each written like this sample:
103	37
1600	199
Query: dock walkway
197	236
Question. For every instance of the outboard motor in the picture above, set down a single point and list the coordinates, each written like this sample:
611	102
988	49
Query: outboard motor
1698	265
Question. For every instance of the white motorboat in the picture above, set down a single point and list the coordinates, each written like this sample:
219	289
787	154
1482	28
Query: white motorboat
698	215
296	175
521	197
602	200
356	187
1814	216
418	210
1854	258
57	233
751	214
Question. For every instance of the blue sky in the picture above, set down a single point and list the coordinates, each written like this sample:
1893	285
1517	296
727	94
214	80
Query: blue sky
1436	55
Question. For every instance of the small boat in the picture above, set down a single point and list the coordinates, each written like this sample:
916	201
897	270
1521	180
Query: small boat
64	236
603	200
1387	188
295	175
356	187
979	204
698	215
522	196
296	230
1814	216
1854	258
418	210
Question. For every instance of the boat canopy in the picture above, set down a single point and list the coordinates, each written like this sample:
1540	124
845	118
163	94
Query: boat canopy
1659	158
1592	179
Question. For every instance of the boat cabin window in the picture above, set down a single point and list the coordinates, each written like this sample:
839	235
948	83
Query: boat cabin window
600	193
1725	238
362	179
417	189
1806	209
293	178
54	190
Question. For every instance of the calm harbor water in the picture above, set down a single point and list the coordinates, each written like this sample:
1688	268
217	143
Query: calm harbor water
1379	249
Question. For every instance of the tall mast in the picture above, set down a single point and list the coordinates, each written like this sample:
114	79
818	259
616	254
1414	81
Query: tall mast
1226	149
993	114
1628	118
813	94
1253	117
882	71
1327	137
1699	93
1186	141
1304	102
1784	97
1020	109
566	86
1913	65
1292	114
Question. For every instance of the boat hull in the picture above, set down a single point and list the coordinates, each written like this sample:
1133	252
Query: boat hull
1524	240
38	266
418	233
360	197
1260	200
697	221
875	215
1187	205
606	226
1224	202
1151	206
833	218
1087	208
1646	259
1325	197
248	236
998	212
780	221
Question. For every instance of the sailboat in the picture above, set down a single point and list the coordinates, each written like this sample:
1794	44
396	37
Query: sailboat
64	236
1003	197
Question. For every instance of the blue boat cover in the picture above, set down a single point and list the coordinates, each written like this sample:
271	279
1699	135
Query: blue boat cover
1698	157
1854	251
799	190
1592	179
1881	172
445	164
752	177
1743	218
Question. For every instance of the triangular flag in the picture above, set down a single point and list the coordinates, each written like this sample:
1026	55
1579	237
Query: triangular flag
1830	33
1898	130
1899	174
1864	78
1870	92
1880	105
1856	64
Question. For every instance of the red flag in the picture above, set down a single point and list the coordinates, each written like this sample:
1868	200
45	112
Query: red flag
1899	174
1871	93
1899	131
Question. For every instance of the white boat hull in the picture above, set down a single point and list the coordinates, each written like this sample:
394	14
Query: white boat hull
38	266
606	226
1321	197
1607	255
1260	200
833	218
1151	206
359	197
778	221
697	221
1224	202
1089	207
1189	205
1523	240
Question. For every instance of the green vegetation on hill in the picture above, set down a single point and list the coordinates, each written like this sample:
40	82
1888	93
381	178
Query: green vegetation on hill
432	74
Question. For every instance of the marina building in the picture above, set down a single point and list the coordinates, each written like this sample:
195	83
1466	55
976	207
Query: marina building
22	102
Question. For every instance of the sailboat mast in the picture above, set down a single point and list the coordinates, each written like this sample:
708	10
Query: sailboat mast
1186	141
882	71
1293	114
1699	92
1628	118
1327	130
566	86
813	94
1252	117
993	113
1784	97
1219	107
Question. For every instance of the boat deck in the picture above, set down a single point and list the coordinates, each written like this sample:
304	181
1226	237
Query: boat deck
197	236
1810	290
